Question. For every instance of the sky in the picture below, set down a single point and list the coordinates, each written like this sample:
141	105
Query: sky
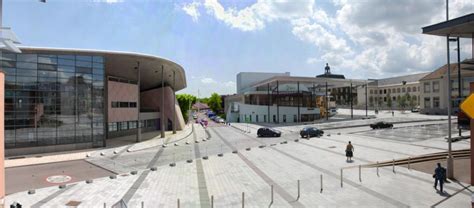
213	40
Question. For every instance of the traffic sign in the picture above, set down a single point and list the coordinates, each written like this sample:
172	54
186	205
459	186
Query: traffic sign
468	106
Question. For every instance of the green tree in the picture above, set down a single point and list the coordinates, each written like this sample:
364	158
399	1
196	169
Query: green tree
185	102
402	101
413	101
215	102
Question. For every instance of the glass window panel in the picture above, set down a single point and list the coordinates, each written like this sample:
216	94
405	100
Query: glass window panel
98	59
84	70
26	65
98	77
47	73
7	56
85	76
72	57
46	137
66	62
66	68
65	137
26	79
66	75
84	58
98	66
84	64
10	64
9	71
66	84
47	67
47	59
26	72
33	58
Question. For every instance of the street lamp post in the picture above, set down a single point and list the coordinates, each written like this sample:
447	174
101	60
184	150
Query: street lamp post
450	166
162	109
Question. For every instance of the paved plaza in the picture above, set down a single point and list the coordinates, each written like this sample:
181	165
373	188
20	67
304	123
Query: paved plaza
240	163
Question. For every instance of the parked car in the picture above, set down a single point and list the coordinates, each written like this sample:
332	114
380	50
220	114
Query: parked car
311	132
268	132
220	120
381	125
415	110
195	117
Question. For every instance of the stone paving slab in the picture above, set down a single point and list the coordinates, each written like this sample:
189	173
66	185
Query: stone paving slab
253	171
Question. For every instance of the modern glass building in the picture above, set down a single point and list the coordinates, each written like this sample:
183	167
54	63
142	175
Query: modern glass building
58	99
53	99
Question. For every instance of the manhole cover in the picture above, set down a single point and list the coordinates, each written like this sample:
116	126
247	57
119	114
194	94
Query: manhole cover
58	179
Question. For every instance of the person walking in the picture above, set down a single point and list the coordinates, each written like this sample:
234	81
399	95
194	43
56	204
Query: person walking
439	176
349	152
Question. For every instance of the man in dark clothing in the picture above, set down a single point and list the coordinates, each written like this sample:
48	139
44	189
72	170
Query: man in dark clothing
439	176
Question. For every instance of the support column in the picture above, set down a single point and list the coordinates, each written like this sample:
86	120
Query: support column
460	86
278	103
450	166
162	109
269	99
472	139
174	103
2	138
139	128
299	103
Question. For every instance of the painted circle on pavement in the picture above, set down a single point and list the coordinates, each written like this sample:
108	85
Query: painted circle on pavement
58	179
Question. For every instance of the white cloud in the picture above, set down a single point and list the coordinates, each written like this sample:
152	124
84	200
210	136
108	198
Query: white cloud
371	37
230	84
192	9
208	80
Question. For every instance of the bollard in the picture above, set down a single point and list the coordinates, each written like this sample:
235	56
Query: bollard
360	173
243	199
105	205
298	184
143	204
321	184
212	201
409	158
341	178
378	169
178	202
271	195
393	165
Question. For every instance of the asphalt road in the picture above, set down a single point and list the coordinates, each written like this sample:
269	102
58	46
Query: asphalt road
24	178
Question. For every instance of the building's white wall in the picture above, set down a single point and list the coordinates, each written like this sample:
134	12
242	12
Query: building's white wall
262	111
246	79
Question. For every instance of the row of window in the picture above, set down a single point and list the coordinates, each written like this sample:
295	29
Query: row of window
395	90
304	117
126	125
427	102
431	87
124	104
48	58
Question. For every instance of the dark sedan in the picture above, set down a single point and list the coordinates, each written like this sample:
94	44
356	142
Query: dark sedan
268	132
381	125
311	132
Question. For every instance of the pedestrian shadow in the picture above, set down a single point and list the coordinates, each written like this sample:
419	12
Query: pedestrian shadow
350	161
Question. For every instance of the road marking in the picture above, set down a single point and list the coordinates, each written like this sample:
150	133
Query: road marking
202	185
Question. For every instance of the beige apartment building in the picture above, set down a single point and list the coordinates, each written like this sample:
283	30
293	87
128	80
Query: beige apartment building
434	96
381	91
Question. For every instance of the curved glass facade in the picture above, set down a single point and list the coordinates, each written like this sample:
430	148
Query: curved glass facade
53	99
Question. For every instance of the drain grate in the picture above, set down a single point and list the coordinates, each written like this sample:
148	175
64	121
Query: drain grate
332	147
73	203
